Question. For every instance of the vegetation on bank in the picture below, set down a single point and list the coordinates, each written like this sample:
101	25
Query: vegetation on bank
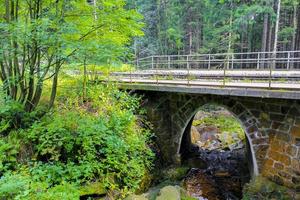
63	153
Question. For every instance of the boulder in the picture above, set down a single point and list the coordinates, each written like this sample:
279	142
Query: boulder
169	193
135	197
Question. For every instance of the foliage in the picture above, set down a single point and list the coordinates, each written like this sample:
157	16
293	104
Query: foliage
8	154
262	189
36	43
215	26
79	142
21	186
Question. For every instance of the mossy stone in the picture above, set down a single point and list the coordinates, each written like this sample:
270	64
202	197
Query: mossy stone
169	193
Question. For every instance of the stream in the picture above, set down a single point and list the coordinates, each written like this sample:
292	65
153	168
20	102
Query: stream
221	178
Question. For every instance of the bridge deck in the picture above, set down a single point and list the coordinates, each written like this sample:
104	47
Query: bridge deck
226	91
260	74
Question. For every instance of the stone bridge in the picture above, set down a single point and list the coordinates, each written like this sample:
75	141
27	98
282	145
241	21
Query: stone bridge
271	124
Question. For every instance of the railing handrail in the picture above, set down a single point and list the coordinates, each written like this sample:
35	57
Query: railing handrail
219	54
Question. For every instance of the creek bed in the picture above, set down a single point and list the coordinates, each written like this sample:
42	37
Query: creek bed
221	178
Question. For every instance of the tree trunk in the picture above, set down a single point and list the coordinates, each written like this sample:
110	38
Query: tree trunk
276	33
84	79
54	86
293	46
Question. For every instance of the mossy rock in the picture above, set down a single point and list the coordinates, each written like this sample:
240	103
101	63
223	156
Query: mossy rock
95	188
136	197
176	173
169	193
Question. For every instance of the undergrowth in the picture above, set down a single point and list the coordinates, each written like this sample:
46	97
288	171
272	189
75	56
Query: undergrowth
98	139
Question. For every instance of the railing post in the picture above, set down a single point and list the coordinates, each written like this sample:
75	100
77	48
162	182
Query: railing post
209	61
232	57
188	69
288	63
258	61
270	76
169	62
130	68
224	76
152	62
156	70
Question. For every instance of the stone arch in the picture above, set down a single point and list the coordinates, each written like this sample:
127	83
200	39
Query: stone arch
241	113
273	126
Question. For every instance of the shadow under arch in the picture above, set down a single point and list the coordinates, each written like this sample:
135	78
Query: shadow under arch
253	167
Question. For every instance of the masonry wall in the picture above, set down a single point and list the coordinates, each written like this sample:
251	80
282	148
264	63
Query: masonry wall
271	125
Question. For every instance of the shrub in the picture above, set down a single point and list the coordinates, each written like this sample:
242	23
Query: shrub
78	143
95	140
21	186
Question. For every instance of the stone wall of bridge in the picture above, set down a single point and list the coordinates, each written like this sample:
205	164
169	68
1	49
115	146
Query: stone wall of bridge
272	127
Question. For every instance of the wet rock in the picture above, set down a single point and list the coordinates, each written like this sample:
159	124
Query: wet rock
199	185
208	132
175	173
196	162
169	193
195	135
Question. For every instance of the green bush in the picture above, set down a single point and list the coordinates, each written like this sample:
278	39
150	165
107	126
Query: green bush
21	186
261	188
81	142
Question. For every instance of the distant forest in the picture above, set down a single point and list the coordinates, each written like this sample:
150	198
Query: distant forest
217	26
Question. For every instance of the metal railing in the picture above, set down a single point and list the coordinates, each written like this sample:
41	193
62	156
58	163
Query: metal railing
247	70
287	60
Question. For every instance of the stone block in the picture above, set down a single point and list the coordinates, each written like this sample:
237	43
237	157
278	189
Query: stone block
285	175
283	136
269	163
291	151
252	129
278	166
285	110
295	131
277	145
261	152
294	112
238	109
277	117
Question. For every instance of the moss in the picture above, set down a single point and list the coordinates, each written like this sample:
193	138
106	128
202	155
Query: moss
169	193
175	173
145	183
92	188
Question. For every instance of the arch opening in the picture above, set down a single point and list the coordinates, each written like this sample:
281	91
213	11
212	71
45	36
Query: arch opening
217	148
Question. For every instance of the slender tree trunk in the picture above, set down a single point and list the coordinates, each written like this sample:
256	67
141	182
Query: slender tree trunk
293	46
264	38
84	79
265	33
276	33
54	86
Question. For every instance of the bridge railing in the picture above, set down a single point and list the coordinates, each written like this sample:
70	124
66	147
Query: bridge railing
247	70
281	60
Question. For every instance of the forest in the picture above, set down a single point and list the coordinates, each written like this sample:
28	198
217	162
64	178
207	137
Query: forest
217	26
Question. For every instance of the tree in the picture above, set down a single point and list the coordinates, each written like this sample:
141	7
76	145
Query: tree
39	37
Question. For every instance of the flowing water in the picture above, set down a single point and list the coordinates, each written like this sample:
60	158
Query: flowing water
221	178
